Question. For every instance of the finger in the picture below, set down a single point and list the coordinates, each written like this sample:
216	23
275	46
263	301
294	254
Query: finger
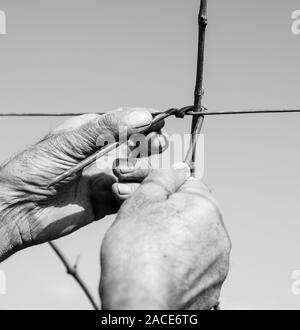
74	123
160	184
100	194
78	121
86	134
132	169
139	145
157	143
122	191
124	123
143	146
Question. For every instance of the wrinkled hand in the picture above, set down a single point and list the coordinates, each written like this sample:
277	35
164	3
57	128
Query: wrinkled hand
32	213
168	248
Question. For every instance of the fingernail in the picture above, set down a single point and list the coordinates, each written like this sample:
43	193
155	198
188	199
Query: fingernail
183	166
139	119
124	189
126	166
126	170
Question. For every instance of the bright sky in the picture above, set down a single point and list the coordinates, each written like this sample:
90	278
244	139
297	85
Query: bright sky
93	55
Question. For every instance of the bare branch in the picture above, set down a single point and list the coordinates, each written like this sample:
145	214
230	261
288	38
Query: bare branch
72	270
198	121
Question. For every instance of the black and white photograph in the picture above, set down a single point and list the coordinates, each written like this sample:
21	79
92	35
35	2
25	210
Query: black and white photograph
149	158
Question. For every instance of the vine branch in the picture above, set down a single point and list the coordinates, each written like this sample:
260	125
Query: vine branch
72	271
198	120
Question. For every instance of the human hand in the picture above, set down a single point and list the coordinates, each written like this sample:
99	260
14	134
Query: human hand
168	248
32	213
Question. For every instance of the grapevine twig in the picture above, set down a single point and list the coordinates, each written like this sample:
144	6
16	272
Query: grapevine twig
72	270
198	121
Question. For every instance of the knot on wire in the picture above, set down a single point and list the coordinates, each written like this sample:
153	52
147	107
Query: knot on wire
180	113
183	111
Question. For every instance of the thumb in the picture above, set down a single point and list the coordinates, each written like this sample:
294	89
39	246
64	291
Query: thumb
160	184
123	123
108	128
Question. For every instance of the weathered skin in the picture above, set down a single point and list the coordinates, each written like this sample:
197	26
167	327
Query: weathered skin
30	213
168	248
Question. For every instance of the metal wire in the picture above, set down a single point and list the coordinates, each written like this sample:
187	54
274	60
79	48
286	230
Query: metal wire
245	112
46	114
180	113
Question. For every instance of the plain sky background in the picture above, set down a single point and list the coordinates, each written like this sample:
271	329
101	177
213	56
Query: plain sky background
93	56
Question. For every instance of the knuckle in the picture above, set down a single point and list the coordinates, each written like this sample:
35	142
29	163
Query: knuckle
214	298
224	258
223	274
210	207
109	121
224	240
228	245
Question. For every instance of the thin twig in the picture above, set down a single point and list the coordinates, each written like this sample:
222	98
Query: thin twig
198	121
72	270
